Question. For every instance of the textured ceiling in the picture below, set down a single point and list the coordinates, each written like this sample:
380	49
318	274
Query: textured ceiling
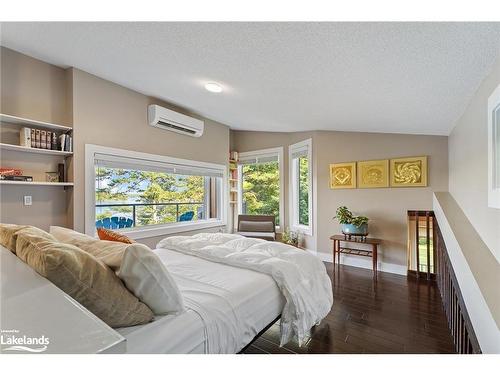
374	77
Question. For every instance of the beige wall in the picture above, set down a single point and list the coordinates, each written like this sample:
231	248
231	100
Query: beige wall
33	89
468	154
385	207
107	114
101	113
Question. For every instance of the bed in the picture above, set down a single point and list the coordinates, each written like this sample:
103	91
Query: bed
234	287
252	296
229	288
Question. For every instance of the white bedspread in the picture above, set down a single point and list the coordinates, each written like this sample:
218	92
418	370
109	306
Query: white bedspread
300	276
253	297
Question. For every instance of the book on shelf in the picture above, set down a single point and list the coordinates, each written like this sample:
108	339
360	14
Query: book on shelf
10	171
25	137
48	140
61	172
37	138
5	177
65	142
43	139
33	137
53	145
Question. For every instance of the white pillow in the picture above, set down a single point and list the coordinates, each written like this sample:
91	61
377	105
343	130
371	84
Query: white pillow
140	269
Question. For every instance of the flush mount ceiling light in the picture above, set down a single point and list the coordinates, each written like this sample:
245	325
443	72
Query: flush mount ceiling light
213	87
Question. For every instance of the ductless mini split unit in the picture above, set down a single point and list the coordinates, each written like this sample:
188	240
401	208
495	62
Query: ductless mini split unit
167	119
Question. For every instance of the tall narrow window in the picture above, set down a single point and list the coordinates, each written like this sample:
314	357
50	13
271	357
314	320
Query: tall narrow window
261	183
494	149
301	186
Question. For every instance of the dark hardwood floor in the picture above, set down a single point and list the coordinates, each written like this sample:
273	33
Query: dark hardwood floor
393	315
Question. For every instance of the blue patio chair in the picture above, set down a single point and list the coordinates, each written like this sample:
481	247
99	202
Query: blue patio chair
186	216
114	222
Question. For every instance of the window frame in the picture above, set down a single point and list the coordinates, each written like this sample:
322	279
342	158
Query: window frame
493	150
278	151
294	186
150	230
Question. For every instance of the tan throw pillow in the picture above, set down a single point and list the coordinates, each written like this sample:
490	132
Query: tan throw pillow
83	277
141	270
8	235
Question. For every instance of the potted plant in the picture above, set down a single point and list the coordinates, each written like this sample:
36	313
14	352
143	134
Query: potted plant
290	238
355	225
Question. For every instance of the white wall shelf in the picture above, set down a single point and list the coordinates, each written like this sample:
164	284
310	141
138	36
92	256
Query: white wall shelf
32	123
36	183
9	147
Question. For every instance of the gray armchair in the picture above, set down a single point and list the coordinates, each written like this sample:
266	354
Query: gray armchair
257	226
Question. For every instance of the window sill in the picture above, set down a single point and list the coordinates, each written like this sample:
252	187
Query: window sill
307	230
161	230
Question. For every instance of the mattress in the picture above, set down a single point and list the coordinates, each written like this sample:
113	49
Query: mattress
254	297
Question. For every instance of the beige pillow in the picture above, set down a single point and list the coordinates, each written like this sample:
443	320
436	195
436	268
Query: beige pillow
8	235
83	277
141	270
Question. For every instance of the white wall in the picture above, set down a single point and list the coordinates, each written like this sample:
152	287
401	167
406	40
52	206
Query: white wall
468	164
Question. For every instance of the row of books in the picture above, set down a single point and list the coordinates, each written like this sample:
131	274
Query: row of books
45	139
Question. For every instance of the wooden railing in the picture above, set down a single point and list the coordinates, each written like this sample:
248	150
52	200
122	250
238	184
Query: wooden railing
458	319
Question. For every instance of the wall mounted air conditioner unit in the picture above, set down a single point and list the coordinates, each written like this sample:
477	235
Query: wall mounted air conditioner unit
167	119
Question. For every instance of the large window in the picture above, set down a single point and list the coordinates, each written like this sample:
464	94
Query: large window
301	186
135	191
261	183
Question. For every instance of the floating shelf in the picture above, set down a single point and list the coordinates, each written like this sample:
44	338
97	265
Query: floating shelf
6	146
36	183
32	123
233	202
233	180
233	190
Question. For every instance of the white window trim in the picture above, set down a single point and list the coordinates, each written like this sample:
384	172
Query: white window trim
274	151
294	214
493	192
151	230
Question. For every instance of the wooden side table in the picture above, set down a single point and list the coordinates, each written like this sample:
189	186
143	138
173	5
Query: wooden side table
348	248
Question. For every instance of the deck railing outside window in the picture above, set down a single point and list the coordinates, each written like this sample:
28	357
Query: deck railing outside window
152	213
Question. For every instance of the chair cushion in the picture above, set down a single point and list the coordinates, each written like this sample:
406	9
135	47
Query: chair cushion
136	265
256	226
82	276
111	235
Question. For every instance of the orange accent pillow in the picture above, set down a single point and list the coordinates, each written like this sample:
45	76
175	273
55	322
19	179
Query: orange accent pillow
109	235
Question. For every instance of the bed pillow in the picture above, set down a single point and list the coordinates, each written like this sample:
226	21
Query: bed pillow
111	235
83	277
8	235
136	265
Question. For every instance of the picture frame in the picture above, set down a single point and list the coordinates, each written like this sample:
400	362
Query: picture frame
343	175
373	174
409	171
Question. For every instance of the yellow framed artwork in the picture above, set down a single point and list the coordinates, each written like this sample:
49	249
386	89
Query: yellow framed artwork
343	176
409	172
373	174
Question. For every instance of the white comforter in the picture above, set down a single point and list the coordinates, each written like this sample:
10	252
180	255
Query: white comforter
300	276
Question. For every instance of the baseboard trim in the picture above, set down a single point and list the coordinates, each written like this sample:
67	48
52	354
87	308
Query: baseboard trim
362	263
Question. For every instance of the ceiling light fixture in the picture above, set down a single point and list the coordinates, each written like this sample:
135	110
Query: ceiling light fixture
213	87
